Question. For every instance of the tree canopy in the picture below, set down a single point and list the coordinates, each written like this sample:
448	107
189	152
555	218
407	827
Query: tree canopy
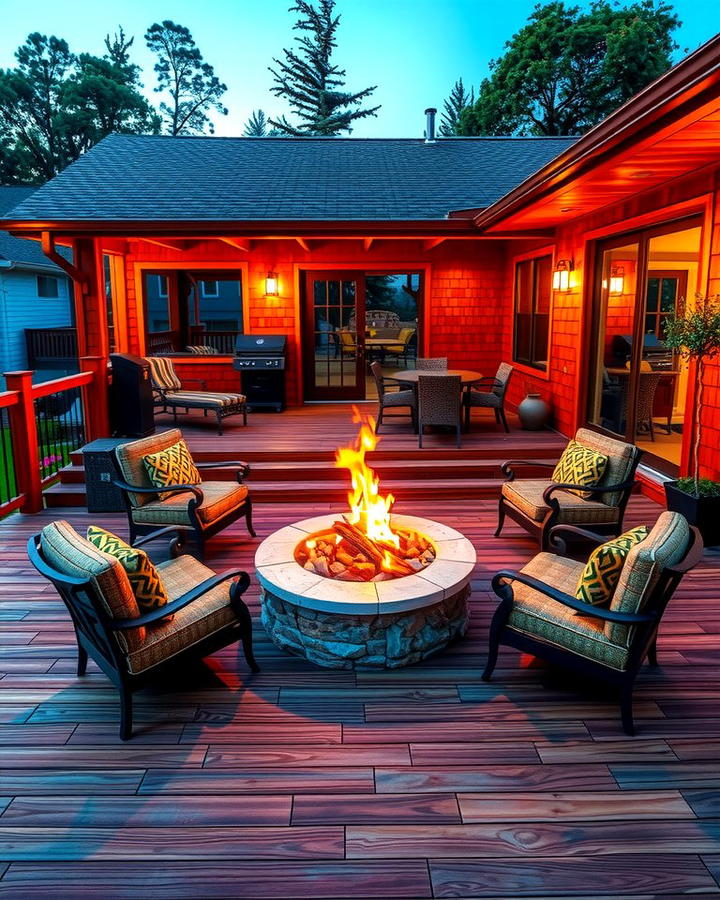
190	85
309	81
568	68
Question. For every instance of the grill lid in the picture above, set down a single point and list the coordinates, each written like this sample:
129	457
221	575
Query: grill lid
260	344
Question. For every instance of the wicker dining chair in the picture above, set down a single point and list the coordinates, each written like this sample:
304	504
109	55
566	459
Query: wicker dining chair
439	402
432	363
491	395
392	399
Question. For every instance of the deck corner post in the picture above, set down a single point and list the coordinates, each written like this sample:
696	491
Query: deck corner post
23	429
95	398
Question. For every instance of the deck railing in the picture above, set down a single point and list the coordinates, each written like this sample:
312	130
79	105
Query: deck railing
50	345
222	341
42	424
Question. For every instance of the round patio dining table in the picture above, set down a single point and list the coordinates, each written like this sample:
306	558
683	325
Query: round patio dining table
410	376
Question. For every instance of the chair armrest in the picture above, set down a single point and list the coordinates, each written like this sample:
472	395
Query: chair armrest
169	489
507	467
243	467
177	544
558	544
487	381
587	609
176	605
600	489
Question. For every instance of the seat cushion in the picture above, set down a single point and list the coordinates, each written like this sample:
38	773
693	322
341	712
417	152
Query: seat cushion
545	619
526	494
665	546
173	465
219	498
204	399
621	458
193	623
130	461
71	554
482	398
602	571
163	374
399	398
580	465
144	579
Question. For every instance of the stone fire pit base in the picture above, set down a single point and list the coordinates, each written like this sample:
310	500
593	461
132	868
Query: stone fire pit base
385	641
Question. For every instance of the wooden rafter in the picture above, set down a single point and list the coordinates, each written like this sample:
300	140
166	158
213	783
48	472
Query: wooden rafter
48	248
432	243
303	243
237	243
367	243
165	242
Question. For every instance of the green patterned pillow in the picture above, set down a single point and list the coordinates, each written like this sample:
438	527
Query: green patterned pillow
602	572
142	574
582	466
174	465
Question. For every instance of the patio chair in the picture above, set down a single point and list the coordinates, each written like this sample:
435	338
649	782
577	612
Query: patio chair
392	399
205	611
539	612
493	397
439	403
539	504
432	364
401	349
206	508
348	343
169	394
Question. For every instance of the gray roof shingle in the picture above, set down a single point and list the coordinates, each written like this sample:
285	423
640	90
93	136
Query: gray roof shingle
146	178
20	251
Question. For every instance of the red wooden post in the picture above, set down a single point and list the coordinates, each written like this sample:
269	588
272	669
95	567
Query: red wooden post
95	398
23	429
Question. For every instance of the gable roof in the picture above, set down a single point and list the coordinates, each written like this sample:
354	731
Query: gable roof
20	251
163	178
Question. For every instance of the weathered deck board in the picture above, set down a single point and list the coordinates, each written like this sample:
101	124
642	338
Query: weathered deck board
307	783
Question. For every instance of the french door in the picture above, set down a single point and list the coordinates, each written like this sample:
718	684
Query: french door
334	336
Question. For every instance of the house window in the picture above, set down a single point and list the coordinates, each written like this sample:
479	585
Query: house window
47	286
162	285
209	289
531	329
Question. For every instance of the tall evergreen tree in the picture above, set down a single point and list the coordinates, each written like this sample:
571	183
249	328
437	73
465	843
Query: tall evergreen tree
568	68
192	88
309	81
458	100
256	125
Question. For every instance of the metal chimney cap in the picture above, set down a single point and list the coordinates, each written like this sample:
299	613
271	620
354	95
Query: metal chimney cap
430	109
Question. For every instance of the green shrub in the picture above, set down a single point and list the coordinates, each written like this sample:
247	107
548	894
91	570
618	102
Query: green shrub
703	488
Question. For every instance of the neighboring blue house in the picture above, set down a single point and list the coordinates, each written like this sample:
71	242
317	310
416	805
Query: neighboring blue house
34	294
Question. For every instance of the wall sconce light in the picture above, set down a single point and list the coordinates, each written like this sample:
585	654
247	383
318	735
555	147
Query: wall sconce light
561	275
617	280
272	285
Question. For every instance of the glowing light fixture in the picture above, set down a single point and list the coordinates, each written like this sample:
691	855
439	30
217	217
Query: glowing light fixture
272	285
617	280
561	275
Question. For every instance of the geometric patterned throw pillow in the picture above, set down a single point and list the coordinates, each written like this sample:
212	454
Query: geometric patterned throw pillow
602	571
144	578
174	465
582	466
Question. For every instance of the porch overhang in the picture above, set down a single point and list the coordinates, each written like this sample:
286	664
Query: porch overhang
669	130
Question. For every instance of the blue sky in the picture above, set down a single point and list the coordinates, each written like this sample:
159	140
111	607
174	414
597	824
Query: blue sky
412	49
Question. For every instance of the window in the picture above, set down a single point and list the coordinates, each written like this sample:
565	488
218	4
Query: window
531	334
47	286
162	285
209	289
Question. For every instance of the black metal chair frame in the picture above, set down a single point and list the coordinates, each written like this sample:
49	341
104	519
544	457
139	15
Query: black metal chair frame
541	529
164	402
201	531
643	642
94	628
488	383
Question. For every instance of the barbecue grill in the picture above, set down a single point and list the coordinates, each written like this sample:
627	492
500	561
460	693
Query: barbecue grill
261	359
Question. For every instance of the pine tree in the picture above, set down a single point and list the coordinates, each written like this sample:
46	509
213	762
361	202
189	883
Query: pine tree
458	100
310	83
256	125
191	83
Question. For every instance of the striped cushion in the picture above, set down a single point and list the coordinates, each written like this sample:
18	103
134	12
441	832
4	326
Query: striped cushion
580	465
144	580
204	399
602	571
173	465
163	374
665	546
71	554
130	461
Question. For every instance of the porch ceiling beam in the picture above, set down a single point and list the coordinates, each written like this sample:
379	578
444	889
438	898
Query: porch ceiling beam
432	243
165	242
237	243
367	243
303	243
48	248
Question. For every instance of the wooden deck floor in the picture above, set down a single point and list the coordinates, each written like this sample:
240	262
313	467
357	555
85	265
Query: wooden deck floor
308	783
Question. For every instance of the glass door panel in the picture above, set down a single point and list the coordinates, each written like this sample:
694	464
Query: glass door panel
613	367
334	336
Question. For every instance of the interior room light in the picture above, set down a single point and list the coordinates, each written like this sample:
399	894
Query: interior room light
617	280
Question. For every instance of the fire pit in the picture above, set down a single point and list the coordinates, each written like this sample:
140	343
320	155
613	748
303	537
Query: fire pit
367	589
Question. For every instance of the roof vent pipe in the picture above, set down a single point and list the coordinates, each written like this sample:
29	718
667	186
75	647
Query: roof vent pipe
430	125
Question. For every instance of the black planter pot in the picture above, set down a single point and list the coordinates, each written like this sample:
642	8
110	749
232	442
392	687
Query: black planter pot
703	512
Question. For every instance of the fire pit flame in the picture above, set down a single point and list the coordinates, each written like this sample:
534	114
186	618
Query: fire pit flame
365	546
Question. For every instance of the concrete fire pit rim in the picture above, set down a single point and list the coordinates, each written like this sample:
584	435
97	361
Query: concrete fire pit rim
279	573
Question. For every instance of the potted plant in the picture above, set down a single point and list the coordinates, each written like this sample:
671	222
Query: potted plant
695	335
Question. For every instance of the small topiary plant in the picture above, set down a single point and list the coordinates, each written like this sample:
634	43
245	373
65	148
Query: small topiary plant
695	335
